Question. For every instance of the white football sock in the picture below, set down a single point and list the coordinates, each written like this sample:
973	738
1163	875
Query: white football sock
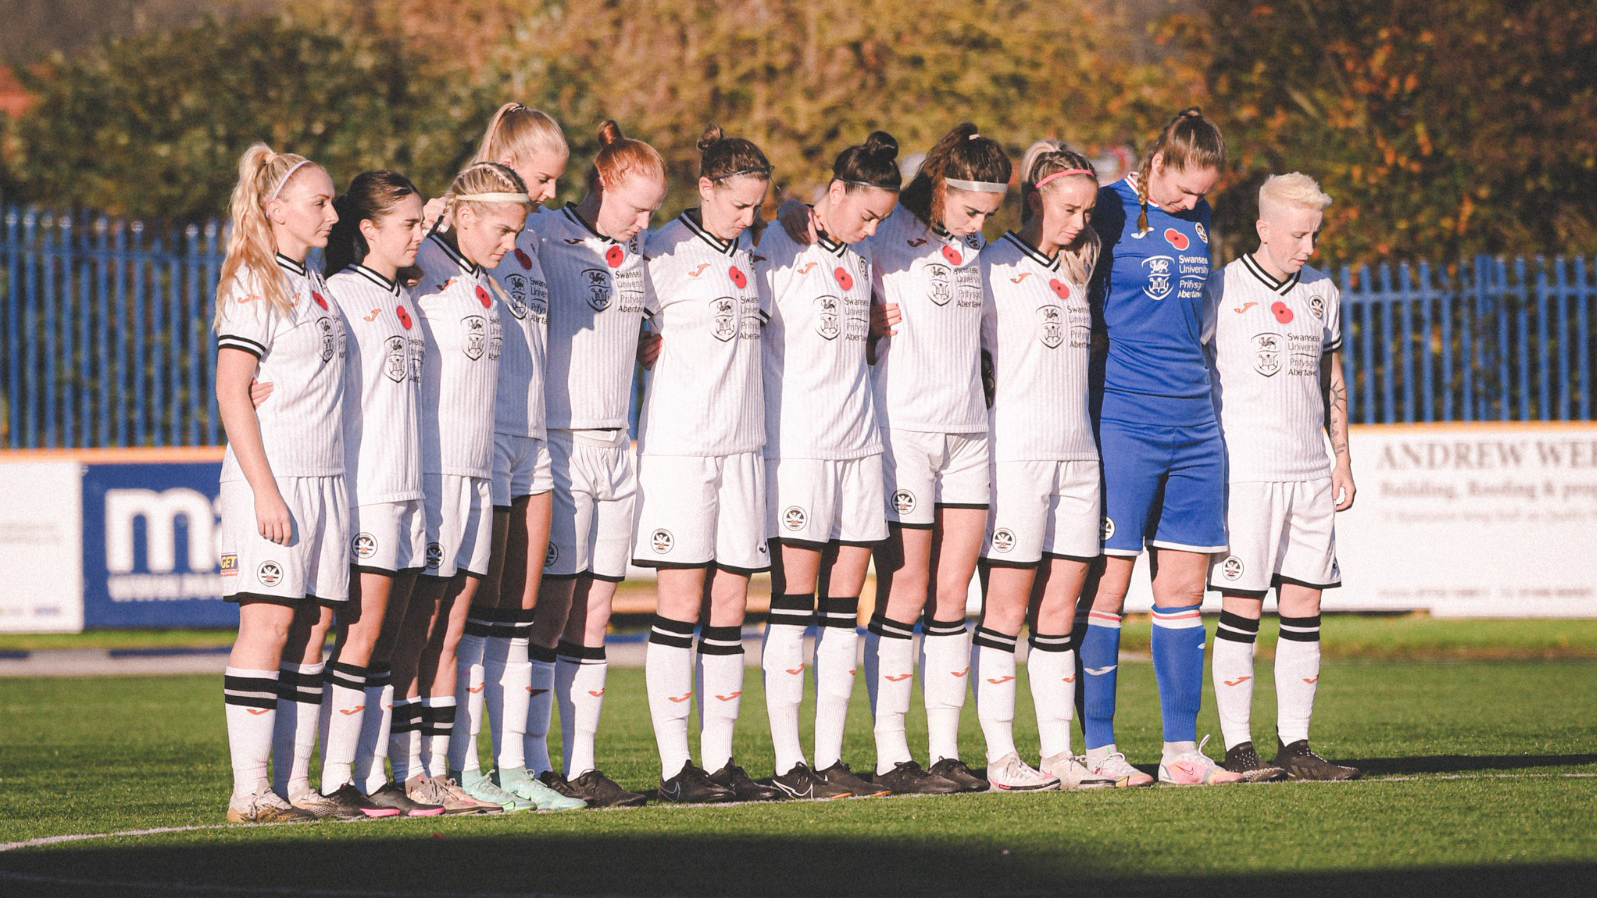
889	675
250	699
992	669
469	688
1297	676
836	663
543	687
1235	640
1051	671
299	706
783	662
668	679
945	664
343	713
375	729
720	670
438	727
581	677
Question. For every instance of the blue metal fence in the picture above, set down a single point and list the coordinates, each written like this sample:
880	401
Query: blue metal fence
107	340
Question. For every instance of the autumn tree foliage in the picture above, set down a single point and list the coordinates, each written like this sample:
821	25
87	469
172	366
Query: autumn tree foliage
1441	129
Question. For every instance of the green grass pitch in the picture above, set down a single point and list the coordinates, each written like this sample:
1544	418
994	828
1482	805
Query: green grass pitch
1481	779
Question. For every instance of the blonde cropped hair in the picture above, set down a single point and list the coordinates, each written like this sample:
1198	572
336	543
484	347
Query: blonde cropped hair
1296	190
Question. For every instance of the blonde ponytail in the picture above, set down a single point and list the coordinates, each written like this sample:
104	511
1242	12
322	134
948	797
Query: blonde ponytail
251	249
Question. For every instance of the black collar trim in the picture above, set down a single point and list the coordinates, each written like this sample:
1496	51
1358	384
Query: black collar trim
1257	270
374	277
455	256
571	212
290	265
723	247
1032	252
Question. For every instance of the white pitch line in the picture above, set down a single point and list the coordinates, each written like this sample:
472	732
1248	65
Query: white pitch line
193	888
1482	776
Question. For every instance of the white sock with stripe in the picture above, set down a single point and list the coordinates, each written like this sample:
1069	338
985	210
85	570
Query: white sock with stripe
783	662
343	714
543	687
945	665
299	707
668	679
249	698
580	680
1297	676
836	663
992	670
1235	639
889	677
375	728
720	673
1051	672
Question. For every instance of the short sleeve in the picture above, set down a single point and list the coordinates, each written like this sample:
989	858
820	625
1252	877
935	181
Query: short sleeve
246	318
1333	318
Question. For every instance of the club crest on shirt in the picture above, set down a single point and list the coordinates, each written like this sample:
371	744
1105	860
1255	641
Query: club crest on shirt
516	286
1267	350
1231	568
598	283
723	318
827	322
1317	307
794	518
329	338
1157	277
394	362
1050	326
941	291
476	336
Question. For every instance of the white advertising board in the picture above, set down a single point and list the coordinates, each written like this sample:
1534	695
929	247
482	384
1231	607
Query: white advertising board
1472	519
41	546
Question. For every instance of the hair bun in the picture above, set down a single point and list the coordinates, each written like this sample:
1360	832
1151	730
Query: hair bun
609	132
711	136
881	145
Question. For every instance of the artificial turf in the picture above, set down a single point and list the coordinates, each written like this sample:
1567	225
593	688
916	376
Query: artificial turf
1481	778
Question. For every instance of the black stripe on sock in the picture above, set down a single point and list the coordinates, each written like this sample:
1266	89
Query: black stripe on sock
944	628
1041	642
890	629
720	641
674	633
378	675
1236	628
839	611
993	639
1301	629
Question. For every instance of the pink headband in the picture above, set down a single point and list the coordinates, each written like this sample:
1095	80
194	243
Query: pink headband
1061	174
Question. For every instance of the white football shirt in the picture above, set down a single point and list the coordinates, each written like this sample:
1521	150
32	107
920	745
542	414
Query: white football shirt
460	365
704	397
928	375
524	312
1268	340
818	395
1037	327
382	388
301	354
595	310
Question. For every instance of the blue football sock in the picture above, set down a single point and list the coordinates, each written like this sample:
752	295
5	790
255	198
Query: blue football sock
1177	645
1100	661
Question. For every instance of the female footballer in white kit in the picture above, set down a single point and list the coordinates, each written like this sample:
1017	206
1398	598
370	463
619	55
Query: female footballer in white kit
493	669
927	280
701	475
823	460
592	258
371	252
1036	331
1277	334
485	209
284	508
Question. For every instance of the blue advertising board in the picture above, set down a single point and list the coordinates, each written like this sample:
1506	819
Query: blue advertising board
149	546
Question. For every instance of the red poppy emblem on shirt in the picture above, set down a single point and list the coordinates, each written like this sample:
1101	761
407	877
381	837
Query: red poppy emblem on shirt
482	297
952	255
523	258
404	317
1061	289
738	277
844	279
319	300
614	256
1176	238
1281	312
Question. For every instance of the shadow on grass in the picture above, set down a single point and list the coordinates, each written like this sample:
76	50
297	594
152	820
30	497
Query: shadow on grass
1466	763
534	864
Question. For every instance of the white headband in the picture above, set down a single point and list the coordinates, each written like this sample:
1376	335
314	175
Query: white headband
977	186
493	198
284	183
